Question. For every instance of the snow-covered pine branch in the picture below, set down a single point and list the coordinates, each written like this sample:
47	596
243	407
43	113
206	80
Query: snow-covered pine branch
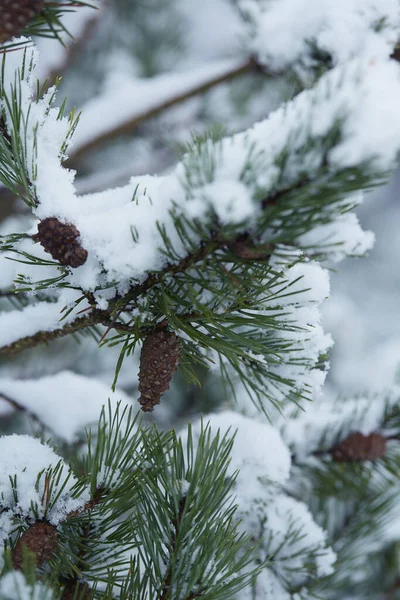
330	33
146	250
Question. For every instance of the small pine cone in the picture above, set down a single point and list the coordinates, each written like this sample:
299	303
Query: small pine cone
41	539
74	590
158	362
358	447
15	15
60	240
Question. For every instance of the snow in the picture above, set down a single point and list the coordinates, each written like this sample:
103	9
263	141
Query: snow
134	97
210	33
342	238
350	93
267	586
79	399
270	516
290	557
120	228
13	586
327	420
344	29
22	458
303	288
43	316
258	450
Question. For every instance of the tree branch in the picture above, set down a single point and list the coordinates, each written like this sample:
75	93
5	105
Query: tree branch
109	317
138	118
43	337
21	408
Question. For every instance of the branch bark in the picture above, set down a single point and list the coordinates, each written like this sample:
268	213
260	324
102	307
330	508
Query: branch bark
21	408
137	119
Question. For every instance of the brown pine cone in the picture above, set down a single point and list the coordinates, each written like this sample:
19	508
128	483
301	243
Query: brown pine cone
358	447
159	360
60	240
15	15
247	250
39	538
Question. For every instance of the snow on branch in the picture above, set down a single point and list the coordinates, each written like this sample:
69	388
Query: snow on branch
210	248
35	484
293	547
324	131
328	33
329	421
79	399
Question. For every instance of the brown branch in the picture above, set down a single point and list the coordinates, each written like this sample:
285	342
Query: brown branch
205	249
21	408
43	337
128	126
73	49
10	293
109	317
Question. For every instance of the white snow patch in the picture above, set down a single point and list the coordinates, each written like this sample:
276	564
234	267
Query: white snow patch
22	458
13	586
79	399
343	29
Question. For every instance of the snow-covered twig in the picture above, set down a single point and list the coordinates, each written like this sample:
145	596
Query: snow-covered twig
141	100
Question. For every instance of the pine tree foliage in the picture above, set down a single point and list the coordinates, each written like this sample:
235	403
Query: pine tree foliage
217	268
126	525
42	18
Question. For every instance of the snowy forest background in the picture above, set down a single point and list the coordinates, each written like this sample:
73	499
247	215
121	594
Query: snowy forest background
126	57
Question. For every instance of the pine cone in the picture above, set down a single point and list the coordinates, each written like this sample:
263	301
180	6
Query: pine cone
158	362
15	15
59	240
358	447
41	539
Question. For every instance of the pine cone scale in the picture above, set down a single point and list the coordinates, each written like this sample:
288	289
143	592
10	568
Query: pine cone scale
16	15
39	538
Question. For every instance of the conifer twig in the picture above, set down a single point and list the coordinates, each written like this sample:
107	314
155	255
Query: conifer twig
21	408
108	318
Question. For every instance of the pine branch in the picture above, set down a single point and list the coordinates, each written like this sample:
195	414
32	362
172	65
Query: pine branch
45	21
218	240
44	337
108	318
21	408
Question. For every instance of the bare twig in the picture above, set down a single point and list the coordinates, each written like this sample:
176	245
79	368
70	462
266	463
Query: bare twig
138	118
21	408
